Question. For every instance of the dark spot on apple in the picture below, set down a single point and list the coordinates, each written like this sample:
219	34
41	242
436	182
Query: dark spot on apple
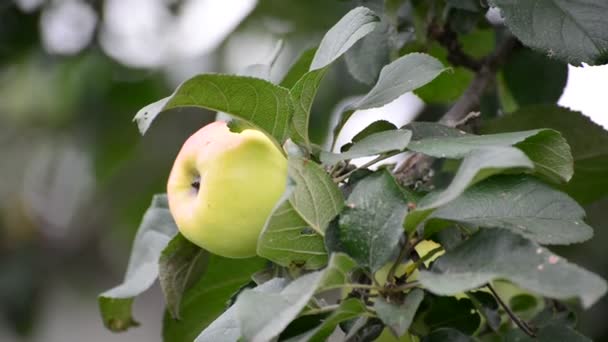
196	184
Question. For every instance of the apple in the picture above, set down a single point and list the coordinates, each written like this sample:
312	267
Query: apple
223	186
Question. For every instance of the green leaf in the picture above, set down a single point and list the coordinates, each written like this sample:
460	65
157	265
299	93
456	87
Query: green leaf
298	68
374	127
399	77
367	57
180	265
303	94
550	333
355	25
499	254
534	78
545	147
257	101
287	240
573	31
226	327
523	205
399	317
589	150
154	233
208	298
371	225
451	312
447	335
376	143
337	272
488	307
316	197
348	309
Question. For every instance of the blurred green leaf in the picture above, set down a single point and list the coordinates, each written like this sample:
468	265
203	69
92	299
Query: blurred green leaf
374	127
367	57
533	78
257	101
156	230
571	31
521	204
499	254
298	68
372	224
589	149
303	95
181	264
447	335
451	312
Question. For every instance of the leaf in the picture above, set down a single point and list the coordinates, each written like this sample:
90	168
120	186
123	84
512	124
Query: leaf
355	25
374	127
523	205
257	101
534	78
348	309
477	165
263	316
154	233
499	254
376	143
573	31
399	77
226	326
208	298
447	335
550	333
181	264
365	59
488	307
589	150
399	317
316	197
546	148
451	312
287	240
303	94
371	225
298	68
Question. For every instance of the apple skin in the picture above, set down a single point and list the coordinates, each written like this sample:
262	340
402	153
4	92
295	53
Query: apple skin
240	176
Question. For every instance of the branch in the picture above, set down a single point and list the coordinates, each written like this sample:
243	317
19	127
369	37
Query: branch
518	321
445	36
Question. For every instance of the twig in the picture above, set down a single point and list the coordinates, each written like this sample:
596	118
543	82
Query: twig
424	259
519	322
365	166
405	250
449	39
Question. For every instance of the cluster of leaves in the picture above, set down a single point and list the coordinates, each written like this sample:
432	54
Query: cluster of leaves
365	256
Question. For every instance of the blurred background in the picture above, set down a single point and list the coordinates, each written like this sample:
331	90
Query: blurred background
76	176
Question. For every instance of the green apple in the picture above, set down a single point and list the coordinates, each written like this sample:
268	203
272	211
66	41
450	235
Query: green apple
223	186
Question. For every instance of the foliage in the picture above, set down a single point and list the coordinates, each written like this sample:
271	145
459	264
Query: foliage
353	233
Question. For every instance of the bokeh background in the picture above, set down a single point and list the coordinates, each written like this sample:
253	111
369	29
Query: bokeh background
76	176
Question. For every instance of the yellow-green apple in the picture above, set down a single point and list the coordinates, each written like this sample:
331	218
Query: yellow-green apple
223	186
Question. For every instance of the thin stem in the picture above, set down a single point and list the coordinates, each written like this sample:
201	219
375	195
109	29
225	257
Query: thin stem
425	258
321	310
407	247
365	166
352	286
518	321
403	287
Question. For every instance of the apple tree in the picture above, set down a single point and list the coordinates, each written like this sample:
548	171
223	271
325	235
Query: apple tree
450	243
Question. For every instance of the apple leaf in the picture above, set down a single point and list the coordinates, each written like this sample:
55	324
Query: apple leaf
573	31
208	298
349	309
499	254
375	143
263	316
180	265
254	100
154	233
226	327
399	317
549	333
399	77
521	204
355	25
287	240
546	147
451	312
589	149
371	225
298	68
316	197
367	57
303	94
